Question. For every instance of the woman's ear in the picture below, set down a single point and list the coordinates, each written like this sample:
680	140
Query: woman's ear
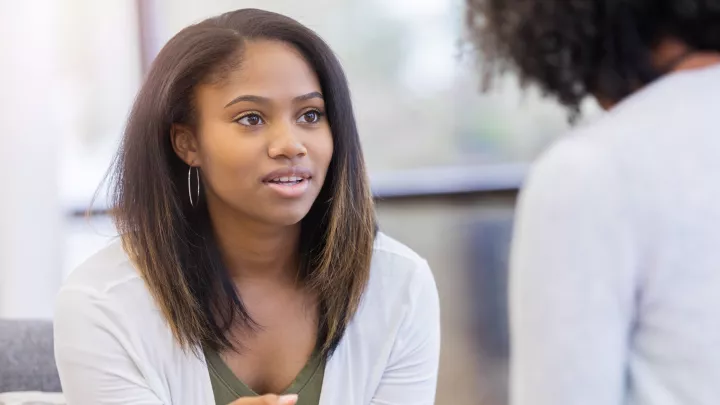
185	144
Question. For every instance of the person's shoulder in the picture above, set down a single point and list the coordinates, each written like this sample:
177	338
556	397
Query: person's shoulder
392	257
106	281
398	271
576	180
399	313
581	159
104	271
666	117
104	310
391	249
401	285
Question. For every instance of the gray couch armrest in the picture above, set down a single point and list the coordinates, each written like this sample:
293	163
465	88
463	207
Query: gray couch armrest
27	360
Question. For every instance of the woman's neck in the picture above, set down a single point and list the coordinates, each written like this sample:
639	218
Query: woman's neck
674	56
253	250
671	56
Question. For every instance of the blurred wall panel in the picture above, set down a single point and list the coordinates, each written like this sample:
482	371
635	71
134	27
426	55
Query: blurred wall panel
465	240
100	70
30	131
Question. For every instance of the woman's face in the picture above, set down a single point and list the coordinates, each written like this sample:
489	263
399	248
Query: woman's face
263	142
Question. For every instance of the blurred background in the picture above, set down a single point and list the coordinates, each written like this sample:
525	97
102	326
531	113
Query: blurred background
446	161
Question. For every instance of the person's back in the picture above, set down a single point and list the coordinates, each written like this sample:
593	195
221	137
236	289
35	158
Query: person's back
615	267
670	172
619	238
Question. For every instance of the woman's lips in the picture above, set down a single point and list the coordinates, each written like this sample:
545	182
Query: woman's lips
290	188
286	172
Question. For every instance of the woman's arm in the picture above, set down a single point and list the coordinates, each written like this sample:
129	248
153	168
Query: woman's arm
410	377
572	282
92	356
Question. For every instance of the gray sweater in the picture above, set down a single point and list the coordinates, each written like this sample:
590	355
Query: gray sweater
615	274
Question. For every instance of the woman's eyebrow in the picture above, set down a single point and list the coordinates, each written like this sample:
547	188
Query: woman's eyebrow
314	94
265	100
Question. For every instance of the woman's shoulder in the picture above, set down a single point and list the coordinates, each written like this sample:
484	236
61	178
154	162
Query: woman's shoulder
400	302
394	260
106	282
107	269
104	314
398	272
387	246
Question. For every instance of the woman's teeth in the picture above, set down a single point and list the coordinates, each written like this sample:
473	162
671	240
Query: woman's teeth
290	180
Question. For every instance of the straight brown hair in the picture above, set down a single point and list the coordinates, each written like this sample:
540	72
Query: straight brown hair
172	243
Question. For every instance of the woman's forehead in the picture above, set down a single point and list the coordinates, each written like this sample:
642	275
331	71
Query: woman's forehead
270	69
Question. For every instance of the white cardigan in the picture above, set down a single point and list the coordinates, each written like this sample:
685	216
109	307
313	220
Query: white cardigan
113	346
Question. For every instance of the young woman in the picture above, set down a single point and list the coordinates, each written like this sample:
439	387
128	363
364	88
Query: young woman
249	261
615	281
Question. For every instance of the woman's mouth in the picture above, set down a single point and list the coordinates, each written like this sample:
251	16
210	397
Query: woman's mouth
287	181
289	187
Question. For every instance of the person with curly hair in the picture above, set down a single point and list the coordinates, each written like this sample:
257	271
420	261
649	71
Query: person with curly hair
615	264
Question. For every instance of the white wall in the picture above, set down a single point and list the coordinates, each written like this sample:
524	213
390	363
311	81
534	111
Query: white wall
30	217
69	70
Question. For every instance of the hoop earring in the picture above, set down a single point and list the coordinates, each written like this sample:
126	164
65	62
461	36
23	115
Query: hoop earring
197	173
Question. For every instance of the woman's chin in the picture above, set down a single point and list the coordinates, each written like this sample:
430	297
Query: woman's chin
287	217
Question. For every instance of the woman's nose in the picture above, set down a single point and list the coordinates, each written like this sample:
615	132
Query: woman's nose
286	144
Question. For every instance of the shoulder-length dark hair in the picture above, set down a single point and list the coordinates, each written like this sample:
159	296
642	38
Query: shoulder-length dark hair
172	243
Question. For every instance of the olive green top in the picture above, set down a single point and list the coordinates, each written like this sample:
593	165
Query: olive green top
228	388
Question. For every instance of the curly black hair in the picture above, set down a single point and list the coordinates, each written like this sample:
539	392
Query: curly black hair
576	48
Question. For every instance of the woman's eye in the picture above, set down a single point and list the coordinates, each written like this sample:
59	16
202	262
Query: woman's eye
250	120
310	117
